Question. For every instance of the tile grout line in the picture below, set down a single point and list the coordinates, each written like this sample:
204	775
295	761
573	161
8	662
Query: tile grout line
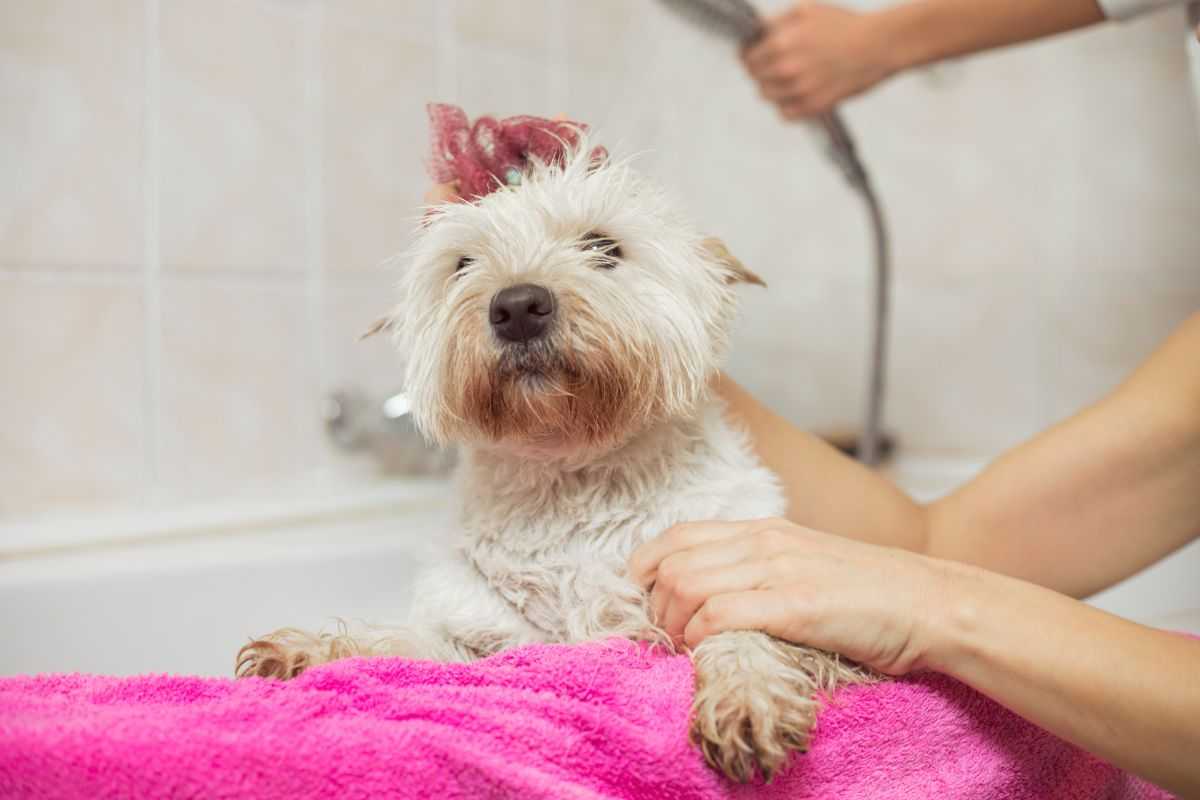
313	80
151	253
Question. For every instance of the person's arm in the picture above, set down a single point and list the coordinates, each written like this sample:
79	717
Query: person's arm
1076	509
825	489
925	31
814	55
1098	497
1127	693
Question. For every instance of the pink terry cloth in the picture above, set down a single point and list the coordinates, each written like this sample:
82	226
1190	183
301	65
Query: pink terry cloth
603	720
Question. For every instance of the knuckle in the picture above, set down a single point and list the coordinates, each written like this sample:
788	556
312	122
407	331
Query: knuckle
785	568
770	539
711	614
670	574
775	44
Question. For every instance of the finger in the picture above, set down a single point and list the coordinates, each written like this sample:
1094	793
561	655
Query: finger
794	11
643	563
763	53
782	92
768	610
798	108
675	573
700	587
819	103
785	70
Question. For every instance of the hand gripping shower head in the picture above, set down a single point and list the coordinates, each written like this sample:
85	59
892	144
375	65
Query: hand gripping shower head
738	21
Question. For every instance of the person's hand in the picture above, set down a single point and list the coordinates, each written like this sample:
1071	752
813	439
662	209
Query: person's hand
876	605
814	55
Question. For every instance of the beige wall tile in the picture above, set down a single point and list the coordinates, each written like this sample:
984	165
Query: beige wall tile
234	126
412	20
1136	170
974	167
71	413
369	369
71	133
376	143
373	364
963	369
515	25
502	83
240	399
1095	330
599	35
803	352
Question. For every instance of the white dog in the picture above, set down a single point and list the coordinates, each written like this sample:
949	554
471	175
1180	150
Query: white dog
565	332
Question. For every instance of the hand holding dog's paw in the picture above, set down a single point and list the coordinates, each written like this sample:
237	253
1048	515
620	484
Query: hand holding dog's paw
876	605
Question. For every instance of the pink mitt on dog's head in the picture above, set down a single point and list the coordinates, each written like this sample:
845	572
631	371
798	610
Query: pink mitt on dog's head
490	153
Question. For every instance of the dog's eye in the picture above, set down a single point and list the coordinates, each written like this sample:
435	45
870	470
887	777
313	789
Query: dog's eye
463	263
609	251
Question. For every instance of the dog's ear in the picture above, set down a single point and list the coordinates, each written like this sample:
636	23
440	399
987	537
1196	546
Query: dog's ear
736	271
379	326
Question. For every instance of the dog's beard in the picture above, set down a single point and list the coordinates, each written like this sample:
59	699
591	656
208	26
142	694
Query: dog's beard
543	394
536	394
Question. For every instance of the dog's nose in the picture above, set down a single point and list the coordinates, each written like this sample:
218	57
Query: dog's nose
520	313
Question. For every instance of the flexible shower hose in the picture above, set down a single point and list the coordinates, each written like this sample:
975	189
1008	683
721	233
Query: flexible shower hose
740	21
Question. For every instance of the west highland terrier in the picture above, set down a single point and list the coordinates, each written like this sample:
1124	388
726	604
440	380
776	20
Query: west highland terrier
564	333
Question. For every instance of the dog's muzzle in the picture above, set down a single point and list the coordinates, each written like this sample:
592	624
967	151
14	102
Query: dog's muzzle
522	313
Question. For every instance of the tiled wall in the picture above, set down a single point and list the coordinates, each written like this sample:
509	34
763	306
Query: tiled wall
196	195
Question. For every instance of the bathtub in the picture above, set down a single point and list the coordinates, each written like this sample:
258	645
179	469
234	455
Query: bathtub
180	592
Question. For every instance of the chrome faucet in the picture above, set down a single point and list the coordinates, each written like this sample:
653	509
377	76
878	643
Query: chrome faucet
384	429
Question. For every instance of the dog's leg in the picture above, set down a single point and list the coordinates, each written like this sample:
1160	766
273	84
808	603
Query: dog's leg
455	617
757	699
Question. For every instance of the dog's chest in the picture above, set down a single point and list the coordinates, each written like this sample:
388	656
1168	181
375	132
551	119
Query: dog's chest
556	549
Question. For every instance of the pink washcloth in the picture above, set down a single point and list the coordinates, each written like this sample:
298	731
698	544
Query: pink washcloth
605	720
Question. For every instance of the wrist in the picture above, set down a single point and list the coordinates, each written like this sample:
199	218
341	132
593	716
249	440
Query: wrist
902	37
953	619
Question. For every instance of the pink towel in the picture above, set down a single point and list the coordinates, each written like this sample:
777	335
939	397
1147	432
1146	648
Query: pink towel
606	720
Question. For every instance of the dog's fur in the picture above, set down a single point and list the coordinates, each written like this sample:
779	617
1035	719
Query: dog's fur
581	445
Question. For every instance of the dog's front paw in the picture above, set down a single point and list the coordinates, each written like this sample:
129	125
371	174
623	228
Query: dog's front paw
744	730
283	655
753	707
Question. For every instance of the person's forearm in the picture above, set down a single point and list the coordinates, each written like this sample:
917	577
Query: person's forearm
925	31
1119	482
825	489
1096	498
1127	693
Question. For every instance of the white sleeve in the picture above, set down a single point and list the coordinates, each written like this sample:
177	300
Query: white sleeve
1124	9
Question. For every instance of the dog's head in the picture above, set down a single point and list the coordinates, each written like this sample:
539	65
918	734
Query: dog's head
562	316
